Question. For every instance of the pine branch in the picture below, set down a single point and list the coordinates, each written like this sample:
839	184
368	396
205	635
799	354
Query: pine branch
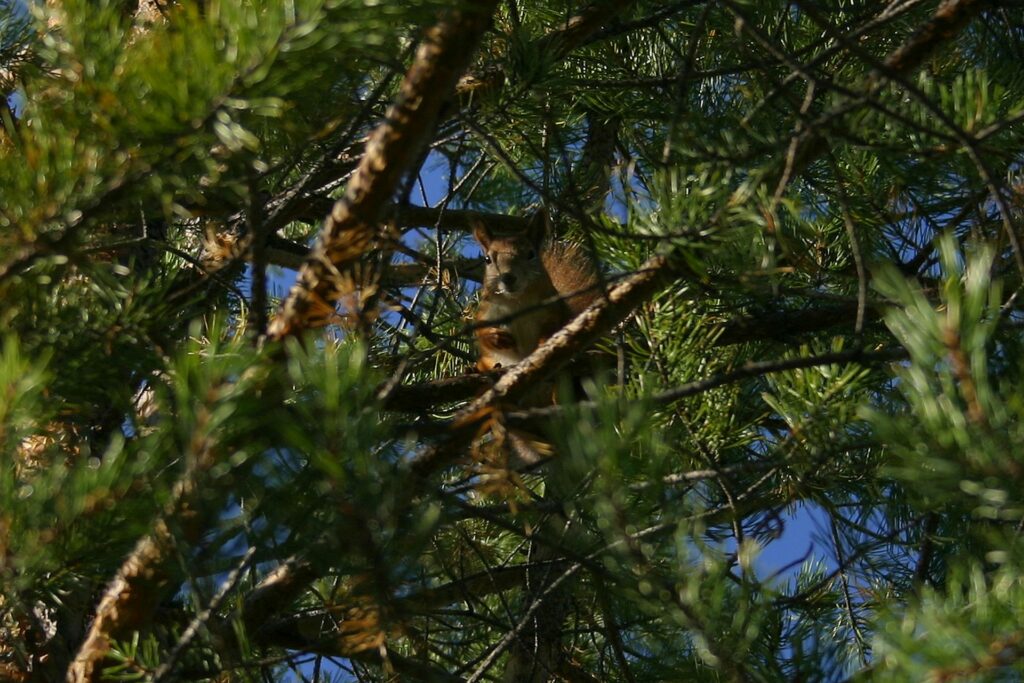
807	144
575	32
526	417
457	219
891	70
948	20
792	324
129	601
289	254
619	28
352	228
581	27
777	326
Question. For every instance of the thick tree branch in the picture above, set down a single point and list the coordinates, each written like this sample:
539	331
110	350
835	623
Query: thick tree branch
353	227
130	599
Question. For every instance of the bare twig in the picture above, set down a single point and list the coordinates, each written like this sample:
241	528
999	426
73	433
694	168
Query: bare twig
230	581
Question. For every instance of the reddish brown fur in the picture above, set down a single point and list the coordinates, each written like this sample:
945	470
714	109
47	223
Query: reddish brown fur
532	287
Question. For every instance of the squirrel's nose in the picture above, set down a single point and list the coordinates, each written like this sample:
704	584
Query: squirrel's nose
508	280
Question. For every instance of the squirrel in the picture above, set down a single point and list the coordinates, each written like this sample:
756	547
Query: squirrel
532	286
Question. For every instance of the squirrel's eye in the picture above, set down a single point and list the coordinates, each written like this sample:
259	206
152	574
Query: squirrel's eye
487	258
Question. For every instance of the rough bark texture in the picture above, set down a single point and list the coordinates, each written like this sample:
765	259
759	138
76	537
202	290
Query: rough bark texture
353	227
130	599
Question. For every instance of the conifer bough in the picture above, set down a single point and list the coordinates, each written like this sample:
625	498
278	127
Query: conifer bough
353	226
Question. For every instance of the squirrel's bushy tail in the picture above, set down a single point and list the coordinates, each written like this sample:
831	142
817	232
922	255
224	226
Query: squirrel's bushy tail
573	274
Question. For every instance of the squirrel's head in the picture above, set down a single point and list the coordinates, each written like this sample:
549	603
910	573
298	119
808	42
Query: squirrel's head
512	262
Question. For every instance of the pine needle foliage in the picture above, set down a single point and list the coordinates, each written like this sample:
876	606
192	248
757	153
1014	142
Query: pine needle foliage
794	456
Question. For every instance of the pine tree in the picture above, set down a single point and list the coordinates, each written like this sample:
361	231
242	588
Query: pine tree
242	435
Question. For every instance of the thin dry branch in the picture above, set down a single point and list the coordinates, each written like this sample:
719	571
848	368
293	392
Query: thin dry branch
407	217
353	227
457	219
287	254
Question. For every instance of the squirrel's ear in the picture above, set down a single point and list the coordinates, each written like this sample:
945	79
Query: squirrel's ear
482	234
540	227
